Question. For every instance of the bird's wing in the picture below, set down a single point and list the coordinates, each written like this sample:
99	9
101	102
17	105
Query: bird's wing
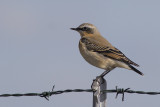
110	52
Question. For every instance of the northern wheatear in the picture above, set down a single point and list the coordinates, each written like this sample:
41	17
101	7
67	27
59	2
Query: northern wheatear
97	51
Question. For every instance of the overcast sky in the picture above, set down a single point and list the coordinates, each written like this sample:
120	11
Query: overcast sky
38	50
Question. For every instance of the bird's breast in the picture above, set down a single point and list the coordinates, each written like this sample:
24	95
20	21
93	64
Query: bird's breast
95	58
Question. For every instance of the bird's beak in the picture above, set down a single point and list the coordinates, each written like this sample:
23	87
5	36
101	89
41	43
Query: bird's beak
74	29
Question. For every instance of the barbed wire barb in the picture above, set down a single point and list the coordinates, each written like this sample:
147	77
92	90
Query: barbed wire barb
121	91
46	95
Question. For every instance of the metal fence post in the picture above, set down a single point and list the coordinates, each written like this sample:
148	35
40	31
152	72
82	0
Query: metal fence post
99	98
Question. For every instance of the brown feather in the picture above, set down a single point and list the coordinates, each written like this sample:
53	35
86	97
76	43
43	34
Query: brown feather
108	51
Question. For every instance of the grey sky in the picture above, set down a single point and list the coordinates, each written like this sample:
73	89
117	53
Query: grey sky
38	50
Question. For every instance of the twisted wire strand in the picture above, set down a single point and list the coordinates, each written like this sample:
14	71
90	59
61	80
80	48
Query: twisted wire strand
50	93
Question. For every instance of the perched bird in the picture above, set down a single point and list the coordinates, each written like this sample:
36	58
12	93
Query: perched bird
97	51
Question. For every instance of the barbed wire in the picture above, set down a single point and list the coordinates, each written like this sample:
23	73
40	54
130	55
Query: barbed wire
47	94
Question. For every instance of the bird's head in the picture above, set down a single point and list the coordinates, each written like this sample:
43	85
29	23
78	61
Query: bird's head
86	29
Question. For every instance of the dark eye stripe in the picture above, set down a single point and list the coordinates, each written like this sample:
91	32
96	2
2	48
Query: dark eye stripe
84	28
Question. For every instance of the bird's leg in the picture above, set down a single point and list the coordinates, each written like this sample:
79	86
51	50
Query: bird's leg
104	73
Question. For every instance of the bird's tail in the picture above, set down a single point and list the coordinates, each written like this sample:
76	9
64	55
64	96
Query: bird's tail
136	70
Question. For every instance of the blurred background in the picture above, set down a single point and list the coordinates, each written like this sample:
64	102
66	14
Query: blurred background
38	50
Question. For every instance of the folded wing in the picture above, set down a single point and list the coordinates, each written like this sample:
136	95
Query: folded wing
110	52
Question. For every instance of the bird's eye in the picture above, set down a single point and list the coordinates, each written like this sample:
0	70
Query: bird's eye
85	28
